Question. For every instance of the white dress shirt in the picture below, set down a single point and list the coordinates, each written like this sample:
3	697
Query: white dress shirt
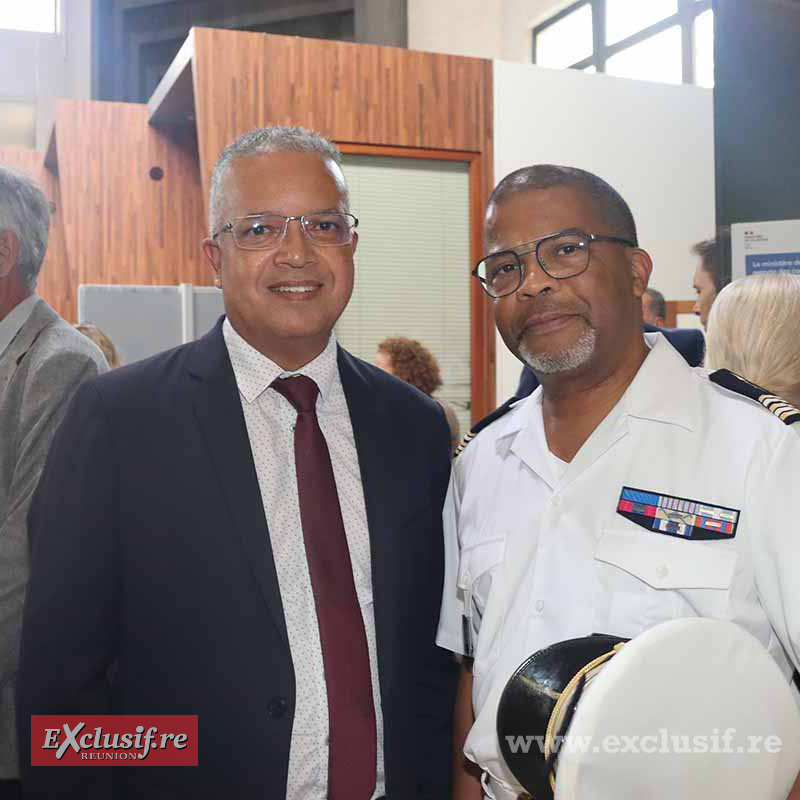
270	420
12	323
537	551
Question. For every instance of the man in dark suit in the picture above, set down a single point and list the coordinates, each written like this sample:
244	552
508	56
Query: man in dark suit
689	342
248	528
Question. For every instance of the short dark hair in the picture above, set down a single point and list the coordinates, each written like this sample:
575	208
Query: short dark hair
710	253
613	207
657	302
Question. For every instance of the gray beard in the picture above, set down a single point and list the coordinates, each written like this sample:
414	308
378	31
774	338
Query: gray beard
571	358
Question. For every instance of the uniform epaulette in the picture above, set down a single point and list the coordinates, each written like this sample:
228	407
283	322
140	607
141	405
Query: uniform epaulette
483	423
784	411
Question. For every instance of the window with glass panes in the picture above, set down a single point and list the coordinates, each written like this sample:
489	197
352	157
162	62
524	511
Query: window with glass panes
670	41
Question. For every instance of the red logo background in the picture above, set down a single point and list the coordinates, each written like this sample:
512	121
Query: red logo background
96	747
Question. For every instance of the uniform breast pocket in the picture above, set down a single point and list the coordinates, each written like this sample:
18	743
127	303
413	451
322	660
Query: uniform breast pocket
478	573
647	578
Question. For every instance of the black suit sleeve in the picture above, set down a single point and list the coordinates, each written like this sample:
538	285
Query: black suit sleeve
527	382
689	342
699	350
438	671
69	633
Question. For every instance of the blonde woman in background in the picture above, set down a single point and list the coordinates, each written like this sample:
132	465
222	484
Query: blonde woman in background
102	341
754	331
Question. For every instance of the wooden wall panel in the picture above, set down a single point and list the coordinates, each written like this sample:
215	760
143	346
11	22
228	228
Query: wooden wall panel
57	282
121	225
350	92
675	307
362	97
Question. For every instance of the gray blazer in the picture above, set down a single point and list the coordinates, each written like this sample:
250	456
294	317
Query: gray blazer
39	372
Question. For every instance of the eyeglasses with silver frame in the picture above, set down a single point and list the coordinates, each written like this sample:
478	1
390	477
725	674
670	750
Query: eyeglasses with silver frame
561	255
266	230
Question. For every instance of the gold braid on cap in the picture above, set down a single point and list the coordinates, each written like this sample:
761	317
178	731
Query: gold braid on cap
563	705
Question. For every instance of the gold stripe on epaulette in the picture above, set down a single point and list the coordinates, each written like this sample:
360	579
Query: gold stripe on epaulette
778	406
463	443
770	400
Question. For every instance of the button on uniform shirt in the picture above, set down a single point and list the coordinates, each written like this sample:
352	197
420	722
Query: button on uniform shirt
270	420
539	551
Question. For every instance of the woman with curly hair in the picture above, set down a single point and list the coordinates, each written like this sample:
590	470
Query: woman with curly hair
102	341
413	363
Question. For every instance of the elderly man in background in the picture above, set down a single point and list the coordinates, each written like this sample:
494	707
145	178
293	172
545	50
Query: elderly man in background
42	362
654	308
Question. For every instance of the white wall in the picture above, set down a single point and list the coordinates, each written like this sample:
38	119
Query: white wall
519	19
480	28
653	142
457	27
37	68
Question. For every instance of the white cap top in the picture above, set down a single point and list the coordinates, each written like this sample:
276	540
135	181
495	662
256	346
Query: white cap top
698	685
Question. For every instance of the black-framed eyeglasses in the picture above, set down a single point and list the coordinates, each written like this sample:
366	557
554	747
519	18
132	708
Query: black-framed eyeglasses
563	254
262	231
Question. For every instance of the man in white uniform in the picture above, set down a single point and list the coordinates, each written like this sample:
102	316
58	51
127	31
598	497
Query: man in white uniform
628	490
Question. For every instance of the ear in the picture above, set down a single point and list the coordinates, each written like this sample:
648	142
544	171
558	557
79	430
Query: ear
9	252
213	255
354	243
641	269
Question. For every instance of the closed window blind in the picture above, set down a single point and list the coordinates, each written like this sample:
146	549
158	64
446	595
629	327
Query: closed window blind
412	264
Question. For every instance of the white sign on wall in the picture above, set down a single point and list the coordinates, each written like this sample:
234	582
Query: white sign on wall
765	247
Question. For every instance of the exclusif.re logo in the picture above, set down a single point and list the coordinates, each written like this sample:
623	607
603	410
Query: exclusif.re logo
155	740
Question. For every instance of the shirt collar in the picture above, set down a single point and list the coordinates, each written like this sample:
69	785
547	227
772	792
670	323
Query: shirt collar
255	372
665	388
12	323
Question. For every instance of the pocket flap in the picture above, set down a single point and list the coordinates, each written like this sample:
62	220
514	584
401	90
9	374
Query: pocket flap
479	557
664	562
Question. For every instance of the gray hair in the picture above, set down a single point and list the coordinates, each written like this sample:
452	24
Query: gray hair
550	176
25	211
658	303
275	139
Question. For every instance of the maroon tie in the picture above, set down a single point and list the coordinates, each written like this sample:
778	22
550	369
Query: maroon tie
351	711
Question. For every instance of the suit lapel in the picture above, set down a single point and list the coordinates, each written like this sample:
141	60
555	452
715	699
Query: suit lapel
41	316
219	413
371	430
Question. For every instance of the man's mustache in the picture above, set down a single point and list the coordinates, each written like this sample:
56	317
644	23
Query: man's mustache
541	311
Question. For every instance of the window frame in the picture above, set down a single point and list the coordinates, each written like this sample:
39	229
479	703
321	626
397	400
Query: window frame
688	11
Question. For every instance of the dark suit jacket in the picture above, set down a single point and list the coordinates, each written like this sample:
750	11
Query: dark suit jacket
153	588
689	342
